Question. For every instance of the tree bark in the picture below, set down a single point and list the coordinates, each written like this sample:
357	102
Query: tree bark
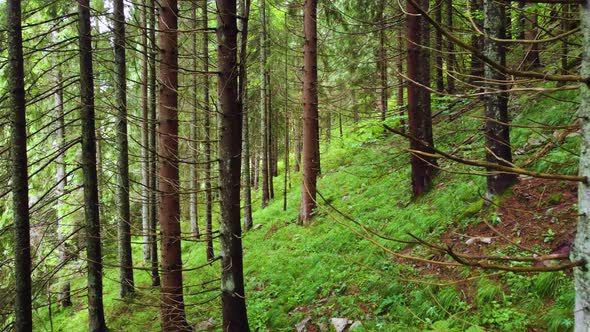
124	222
63	297
382	61
173	316
581	248
145	143
243	94
153	242
310	113
497	131
419	111
476	41
287	129
440	83
233	299
96	321
451	61
20	183
194	174
400	79
264	106
533	55
208	156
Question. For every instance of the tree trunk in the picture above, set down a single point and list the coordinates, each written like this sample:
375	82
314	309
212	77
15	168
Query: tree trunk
533	55
264	106
194	175
400	79
20	183
565	26
476	73
208	156
124	222
521	20
419	112
382	61
287	150
63	297
233	300
451	61
91	205
243	94
440	83
173	316
581	249
145	148
497	130
310	113
153	242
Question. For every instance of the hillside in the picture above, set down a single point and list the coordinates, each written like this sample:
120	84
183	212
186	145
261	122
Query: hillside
347	263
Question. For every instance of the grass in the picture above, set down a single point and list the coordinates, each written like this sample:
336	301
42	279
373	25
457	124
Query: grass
324	270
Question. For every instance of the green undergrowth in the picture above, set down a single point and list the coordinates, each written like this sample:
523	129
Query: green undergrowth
335	268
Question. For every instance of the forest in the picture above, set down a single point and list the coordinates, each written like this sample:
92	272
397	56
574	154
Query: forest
295	165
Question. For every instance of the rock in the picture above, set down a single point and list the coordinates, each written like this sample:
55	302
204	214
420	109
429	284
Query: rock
472	240
208	325
340	324
356	325
302	325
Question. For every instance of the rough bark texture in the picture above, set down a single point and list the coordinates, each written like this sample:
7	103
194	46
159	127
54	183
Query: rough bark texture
96	321
264	106
476	41
496	104
194	175
419	112
287	129
450	48
243	93
382	61
20	183
233	300
208	156
145	143
124	222
153	239
581	249
438	44
310	113
63	297
173	316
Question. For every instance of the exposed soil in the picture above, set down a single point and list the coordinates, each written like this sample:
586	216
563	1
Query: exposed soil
540	215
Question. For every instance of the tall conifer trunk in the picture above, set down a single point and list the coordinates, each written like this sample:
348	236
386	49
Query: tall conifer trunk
243	94
264	107
145	143
419	112
20	183
208	155
173	316
581	249
153	242
310	113
194	145
233	300
96	319
497	130
124	222
382	61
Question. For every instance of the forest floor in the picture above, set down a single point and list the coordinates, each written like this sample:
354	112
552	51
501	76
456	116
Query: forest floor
346	263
